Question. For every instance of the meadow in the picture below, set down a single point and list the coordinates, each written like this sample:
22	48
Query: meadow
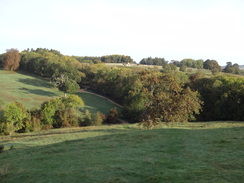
177	152
33	91
181	152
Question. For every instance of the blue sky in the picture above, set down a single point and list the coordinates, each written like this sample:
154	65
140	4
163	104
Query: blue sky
173	29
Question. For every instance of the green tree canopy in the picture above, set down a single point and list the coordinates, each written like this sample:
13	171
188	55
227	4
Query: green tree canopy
234	69
66	85
161	96
13	117
59	111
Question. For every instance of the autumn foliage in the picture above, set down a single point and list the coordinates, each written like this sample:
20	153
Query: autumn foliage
11	59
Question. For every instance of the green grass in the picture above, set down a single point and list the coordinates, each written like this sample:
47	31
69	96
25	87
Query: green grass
192	152
26	89
33	91
94	103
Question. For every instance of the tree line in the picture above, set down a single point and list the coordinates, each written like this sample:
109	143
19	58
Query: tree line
105	59
212	65
55	113
148	95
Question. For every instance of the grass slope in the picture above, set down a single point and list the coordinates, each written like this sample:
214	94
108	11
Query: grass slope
195	152
26	89
33	91
94	103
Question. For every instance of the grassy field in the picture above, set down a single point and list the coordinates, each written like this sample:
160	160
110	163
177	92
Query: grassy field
33	91
94	103
191	152
26	89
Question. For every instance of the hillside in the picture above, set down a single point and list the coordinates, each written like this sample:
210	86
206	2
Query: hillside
33	91
188	152
26	89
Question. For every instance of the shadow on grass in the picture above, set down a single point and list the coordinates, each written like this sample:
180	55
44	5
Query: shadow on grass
95	103
67	132
160	155
38	92
35	82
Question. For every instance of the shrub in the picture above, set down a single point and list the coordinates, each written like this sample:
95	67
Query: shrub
14	116
183	68
66	118
113	116
61	112
97	119
87	120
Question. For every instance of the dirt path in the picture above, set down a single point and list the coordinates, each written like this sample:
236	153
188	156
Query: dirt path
85	91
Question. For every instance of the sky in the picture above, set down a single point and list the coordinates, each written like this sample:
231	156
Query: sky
170	29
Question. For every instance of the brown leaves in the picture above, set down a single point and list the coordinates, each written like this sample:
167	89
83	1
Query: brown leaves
11	59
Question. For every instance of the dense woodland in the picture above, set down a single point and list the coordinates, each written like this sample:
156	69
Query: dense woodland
149	95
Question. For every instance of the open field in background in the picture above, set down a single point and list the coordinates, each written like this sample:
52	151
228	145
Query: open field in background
133	66
189	152
33	91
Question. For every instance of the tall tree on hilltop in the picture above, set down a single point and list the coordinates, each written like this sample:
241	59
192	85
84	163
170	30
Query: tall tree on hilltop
235	69
11	59
212	65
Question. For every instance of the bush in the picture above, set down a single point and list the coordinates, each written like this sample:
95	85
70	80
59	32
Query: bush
183	68
113	116
14	116
87	120
97	119
66	118
61	112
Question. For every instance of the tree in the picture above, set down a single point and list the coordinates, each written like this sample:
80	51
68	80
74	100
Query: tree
169	68
1	60
198	64
66	85
228	68
113	116
97	119
236	68
61	111
153	61
87	118
116	59
167	100
187	62
14	116
48	111
11	59
175	62
183	68
212	65
223	97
